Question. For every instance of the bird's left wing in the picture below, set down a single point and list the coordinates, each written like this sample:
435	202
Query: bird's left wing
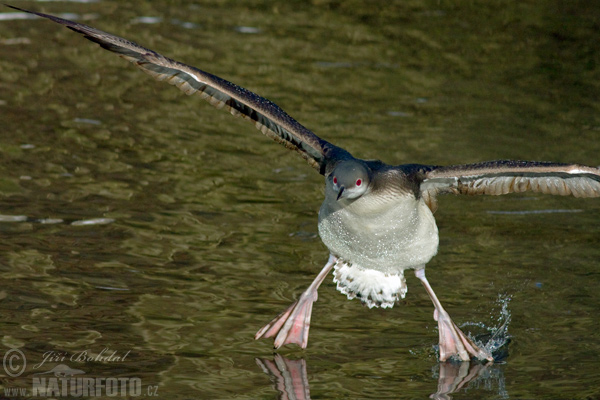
502	177
266	115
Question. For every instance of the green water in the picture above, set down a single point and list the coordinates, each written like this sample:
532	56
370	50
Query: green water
209	229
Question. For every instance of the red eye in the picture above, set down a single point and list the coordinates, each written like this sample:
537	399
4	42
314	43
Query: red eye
358	182
335	180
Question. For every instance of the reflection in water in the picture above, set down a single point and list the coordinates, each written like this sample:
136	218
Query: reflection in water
456	376
290	377
24	218
11	16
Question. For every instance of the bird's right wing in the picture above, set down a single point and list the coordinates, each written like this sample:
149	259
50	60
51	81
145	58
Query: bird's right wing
505	176
266	115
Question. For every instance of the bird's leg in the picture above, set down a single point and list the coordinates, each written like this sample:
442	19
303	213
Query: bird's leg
452	340
291	326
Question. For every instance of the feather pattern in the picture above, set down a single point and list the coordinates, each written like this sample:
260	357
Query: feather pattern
502	177
267	116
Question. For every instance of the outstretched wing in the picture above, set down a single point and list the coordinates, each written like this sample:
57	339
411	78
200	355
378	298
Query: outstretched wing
266	115
502	177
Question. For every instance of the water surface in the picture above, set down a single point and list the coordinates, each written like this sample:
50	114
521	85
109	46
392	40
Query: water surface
139	219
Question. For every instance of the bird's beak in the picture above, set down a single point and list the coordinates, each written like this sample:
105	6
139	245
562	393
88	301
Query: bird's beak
340	192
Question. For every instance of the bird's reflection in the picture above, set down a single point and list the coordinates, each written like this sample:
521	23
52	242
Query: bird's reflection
290	378
288	375
456	376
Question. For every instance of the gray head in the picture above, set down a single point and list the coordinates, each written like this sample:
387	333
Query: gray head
349	179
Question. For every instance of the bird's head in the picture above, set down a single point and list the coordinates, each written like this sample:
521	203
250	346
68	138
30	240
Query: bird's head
349	180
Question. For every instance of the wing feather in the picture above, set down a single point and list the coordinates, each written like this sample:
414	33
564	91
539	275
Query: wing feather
266	115
505	176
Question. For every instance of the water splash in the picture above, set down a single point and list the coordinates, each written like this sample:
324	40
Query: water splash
497	344
495	339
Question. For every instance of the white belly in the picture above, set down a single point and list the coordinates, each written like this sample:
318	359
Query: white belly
389	235
375	241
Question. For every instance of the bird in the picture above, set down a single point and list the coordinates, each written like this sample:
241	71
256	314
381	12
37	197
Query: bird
376	219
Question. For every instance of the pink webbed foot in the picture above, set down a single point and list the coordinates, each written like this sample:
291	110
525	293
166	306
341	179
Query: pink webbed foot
453	342
292	325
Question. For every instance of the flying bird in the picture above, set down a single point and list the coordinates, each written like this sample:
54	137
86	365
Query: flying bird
376	219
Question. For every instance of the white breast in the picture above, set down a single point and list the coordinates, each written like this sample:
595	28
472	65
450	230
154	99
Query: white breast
384	233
